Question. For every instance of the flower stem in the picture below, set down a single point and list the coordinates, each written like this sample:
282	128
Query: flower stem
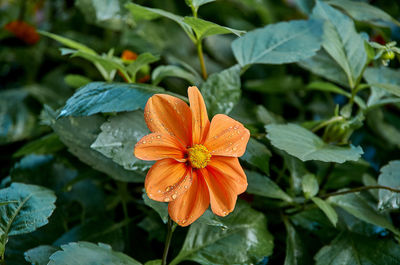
167	241
22	10
359	189
201	59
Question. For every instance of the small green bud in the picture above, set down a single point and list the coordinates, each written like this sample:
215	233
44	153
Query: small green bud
389	55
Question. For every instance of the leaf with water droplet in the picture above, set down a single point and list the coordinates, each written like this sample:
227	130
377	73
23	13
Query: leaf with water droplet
390	177
118	138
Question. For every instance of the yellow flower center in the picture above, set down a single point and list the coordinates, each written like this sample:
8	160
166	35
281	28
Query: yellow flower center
199	156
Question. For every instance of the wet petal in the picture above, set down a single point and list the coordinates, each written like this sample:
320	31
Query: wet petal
223	194
231	170
200	121
226	137
192	204
167	179
169	115
156	146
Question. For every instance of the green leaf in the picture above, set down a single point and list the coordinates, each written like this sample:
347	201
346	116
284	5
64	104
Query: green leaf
17	122
361	208
264	186
342	41
60	176
221	91
322	64
164	71
100	97
40	255
305	145
390	177
160	207
329	87
204	28
98	229
142	60
106	13
246	240
284	42
258	155
146	13
84	253
69	43
153	262
296	253
383	129
363	11
209	218
76	81
47	144
106	64
33	207
78	133
297	170
275	84
383	80
327	209
310	185
118	138
195	4
351	249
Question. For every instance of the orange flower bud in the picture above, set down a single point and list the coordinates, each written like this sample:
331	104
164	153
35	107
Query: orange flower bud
23	31
128	55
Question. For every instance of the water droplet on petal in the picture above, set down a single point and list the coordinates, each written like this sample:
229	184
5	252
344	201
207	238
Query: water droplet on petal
167	199
169	188
173	196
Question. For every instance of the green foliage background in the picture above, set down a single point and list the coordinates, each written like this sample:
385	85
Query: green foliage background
313	81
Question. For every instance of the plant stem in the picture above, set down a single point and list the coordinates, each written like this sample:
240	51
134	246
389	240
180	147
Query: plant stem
201	59
325	123
167	241
359	189
22	10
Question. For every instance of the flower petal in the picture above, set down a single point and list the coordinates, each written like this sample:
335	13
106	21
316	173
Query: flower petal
167	179
200	121
231	169
226	137
156	146
169	115
222	191
192	204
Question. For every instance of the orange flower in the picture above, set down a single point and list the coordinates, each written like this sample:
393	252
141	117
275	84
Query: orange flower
23	31
128	55
144	79
197	161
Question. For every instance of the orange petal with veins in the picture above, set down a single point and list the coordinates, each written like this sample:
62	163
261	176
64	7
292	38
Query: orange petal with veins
169	115
200	121
156	146
222	191
226	137
167	179
231	170
192	204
